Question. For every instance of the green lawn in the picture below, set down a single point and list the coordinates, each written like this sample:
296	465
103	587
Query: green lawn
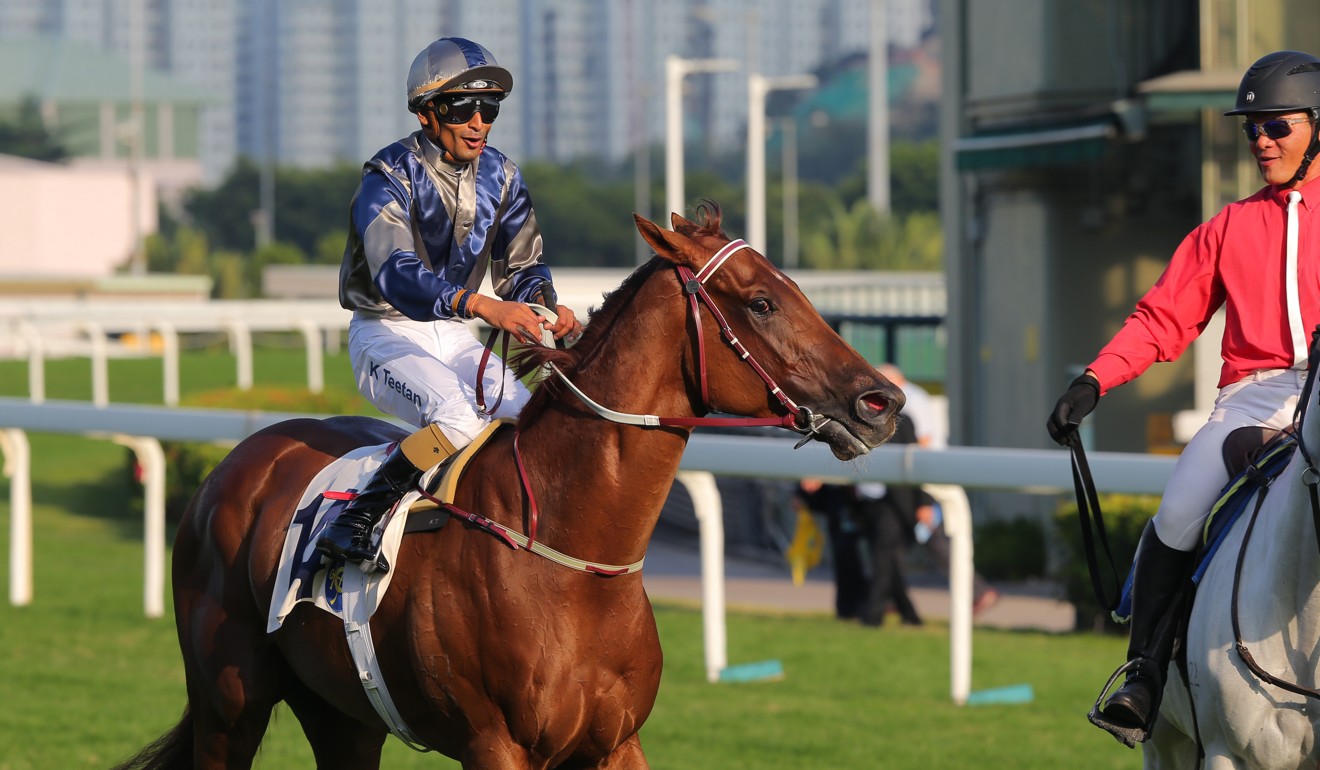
86	680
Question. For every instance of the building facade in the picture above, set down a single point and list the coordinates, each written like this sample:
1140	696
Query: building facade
312	83
1082	140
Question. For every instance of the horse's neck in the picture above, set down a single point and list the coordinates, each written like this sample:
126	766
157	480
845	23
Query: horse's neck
614	478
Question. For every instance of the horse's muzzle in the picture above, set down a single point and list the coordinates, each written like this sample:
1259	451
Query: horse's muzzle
872	419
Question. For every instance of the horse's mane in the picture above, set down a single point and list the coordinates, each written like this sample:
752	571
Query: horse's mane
529	359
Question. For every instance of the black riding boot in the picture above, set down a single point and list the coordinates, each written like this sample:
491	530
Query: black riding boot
1160	575
349	535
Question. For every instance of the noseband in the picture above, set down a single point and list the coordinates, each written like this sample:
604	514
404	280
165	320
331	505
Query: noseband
798	418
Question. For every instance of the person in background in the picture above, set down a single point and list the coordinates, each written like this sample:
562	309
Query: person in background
1259	259
889	513
836	503
436	211
930	526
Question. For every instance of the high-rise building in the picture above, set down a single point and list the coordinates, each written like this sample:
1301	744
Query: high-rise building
312	83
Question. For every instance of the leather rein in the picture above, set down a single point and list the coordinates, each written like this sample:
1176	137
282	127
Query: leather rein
1311	478
798	418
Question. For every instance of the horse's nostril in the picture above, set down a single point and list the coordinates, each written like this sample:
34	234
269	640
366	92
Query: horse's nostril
874	404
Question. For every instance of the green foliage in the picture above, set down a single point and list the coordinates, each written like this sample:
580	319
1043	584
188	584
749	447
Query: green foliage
1125	517
857	237
584	211
330	248
585	215
1012	549
26	136
308	202
914	177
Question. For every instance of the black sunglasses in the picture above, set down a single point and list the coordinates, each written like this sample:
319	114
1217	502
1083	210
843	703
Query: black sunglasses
1274	128
460	109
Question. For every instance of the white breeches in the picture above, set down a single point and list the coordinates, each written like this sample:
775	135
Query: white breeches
1267	397
426	372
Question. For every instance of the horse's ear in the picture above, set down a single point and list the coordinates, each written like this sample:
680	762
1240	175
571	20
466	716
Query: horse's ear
672	246
682	224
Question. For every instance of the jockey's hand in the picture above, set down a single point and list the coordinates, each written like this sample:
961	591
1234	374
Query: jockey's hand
566	326
516	318
1076	402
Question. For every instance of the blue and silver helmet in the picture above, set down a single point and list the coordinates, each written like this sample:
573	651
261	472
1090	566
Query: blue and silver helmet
454	64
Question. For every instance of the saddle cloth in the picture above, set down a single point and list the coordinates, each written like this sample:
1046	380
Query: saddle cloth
301	576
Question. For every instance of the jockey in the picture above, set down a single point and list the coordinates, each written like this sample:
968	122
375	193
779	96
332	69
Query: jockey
434	211
1259	259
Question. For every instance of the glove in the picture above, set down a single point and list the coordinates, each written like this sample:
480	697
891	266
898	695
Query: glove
1076	402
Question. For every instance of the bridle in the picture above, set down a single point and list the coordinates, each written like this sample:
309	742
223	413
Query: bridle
798	418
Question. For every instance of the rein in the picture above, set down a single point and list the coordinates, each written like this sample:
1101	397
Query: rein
1088	508
1311	478
798	418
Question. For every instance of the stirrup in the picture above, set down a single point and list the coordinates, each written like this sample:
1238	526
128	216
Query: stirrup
1126	735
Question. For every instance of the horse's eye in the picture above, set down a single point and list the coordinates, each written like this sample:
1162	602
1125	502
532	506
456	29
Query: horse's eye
760	306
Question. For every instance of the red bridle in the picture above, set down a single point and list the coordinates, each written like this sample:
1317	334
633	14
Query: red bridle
798	418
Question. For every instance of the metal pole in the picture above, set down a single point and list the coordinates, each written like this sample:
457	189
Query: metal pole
877	123
757	88
265	225
673	137
675	70
789	128
18	467
136	133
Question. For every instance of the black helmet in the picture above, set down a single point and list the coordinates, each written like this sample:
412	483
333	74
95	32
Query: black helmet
1284	81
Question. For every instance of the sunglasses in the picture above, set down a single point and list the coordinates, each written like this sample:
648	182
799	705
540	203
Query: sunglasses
1275	128
460	109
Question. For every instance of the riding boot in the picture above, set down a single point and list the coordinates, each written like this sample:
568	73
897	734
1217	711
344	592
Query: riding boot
1160	574
349	535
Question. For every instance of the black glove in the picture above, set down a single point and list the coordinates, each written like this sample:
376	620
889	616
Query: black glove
1076	402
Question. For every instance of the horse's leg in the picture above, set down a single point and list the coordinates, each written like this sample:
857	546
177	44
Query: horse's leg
1169	748
234	672
233	683
628	756
337	740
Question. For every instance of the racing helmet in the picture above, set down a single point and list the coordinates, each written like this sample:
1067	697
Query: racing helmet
1284	81
454	64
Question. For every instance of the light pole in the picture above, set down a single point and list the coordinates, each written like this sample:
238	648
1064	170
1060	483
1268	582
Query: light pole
788	133
675	70
877	119
757	88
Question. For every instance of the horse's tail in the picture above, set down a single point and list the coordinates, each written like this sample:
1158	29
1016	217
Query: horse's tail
171	751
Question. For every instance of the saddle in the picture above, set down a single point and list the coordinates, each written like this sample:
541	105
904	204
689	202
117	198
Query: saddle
425	513
1244	446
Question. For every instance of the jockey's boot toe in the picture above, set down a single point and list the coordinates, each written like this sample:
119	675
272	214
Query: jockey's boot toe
349	535
1133	703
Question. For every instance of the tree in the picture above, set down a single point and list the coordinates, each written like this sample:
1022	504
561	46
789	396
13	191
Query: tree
308	204
27	137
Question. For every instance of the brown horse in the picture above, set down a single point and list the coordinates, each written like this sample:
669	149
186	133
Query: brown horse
493	655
